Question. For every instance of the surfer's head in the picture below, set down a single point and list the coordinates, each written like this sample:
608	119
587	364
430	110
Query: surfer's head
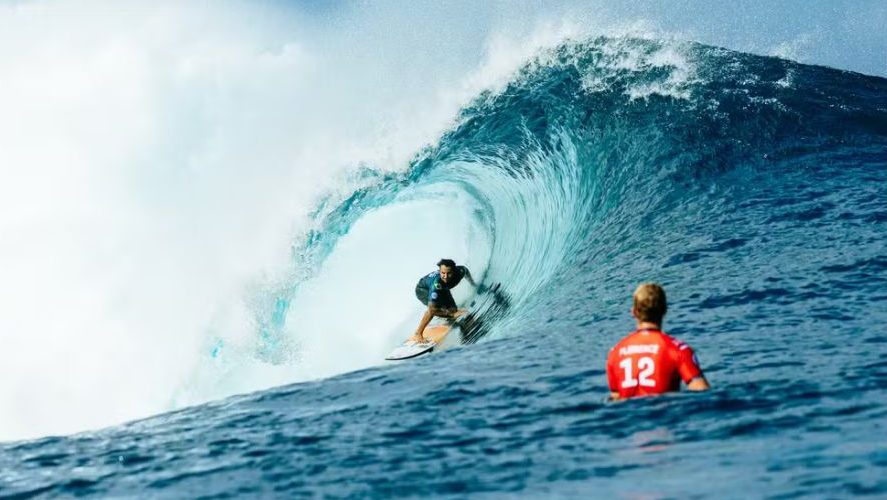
649	303
447	268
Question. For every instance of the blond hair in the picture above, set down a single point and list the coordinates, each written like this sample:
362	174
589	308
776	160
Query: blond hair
649	303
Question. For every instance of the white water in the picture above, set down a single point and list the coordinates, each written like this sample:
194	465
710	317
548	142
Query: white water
157	163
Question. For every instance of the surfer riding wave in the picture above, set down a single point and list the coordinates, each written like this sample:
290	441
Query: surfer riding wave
433	290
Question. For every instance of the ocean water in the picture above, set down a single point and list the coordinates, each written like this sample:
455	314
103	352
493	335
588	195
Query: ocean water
753	188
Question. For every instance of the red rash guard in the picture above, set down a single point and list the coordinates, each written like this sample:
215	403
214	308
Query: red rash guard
648	362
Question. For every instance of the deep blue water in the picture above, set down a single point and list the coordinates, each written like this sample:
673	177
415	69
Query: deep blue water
753	188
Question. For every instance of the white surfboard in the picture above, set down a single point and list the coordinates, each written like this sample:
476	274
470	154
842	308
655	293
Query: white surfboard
411	349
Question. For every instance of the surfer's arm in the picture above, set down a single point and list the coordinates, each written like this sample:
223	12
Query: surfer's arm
444	312
612	378
469	278
698	384
426	318
688	366
430	313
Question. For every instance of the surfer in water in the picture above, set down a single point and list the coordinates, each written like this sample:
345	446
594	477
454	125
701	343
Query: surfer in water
648	361
433	290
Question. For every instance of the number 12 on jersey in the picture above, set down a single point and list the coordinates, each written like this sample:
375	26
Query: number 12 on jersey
646	368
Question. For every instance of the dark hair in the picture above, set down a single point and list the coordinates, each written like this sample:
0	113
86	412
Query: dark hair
447	262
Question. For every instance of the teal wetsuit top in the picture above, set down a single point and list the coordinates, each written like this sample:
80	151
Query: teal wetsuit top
432	290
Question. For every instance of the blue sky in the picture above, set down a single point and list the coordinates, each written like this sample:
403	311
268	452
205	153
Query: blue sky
842	34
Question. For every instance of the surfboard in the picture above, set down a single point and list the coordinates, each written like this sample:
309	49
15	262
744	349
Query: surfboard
411	349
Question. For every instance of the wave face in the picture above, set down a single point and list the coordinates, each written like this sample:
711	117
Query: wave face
753	188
